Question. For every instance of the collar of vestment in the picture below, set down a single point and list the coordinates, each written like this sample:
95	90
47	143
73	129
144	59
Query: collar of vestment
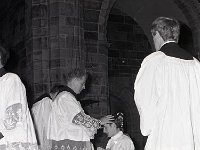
42	96
167	42
68	89
174	50
116	136
113	140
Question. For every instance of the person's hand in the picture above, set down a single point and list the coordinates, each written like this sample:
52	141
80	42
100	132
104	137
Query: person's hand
107	119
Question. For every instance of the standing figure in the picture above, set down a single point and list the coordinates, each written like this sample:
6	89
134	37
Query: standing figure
118	140
69	127
16	126
167	92
40	112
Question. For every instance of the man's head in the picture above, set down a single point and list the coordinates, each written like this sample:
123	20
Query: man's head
112	129
76	79
4	56
165	29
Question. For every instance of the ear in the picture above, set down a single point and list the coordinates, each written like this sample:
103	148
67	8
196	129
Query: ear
159	36
74	79
114	125
157	32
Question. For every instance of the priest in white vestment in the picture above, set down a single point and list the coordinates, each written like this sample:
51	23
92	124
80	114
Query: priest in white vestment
167	92
40	112
16	126
68	125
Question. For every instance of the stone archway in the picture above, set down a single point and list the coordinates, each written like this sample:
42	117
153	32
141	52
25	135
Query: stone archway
190	11
189	8
128	47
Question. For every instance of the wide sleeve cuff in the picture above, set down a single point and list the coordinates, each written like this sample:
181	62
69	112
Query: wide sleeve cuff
91	124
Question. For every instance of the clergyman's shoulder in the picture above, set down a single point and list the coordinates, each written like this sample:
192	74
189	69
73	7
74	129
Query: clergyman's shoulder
11	77
155	56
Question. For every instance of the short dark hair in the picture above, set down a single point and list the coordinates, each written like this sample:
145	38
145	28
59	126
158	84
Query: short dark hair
4	55
119	120
76	73
168	28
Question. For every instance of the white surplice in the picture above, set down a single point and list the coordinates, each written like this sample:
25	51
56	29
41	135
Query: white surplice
41	111
60	125
15	120
167	95
67	121
120	141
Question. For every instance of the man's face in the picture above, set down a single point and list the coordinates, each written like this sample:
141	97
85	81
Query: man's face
79	84
109	129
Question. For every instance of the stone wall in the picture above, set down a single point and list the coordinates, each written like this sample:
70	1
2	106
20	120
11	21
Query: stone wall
96	60
15	35
58	46
128	47
39	52
128	44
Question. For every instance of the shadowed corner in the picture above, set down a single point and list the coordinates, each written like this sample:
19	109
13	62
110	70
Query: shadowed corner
12	62
186	39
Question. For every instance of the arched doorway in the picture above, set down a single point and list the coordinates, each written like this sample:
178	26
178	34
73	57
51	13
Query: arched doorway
128	47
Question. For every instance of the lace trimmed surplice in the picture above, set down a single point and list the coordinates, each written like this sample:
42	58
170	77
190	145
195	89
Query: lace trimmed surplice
91	124
15	121
68	122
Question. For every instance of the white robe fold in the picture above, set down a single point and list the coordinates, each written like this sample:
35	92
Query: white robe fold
15	121
60	126
41	111
167	95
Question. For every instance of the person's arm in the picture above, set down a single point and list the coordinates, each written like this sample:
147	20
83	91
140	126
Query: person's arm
13	96
75	114
90	123
15	116
147	91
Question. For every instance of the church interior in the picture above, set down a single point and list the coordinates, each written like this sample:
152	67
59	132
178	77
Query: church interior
109	38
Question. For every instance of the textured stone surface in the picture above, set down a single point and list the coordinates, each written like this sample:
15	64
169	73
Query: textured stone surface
128	45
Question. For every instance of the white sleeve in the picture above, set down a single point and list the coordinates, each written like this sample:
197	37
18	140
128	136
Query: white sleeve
14	102
147	91
68	106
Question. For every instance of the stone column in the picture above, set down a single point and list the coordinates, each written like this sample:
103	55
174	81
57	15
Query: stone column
57	41
66	38
96	57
